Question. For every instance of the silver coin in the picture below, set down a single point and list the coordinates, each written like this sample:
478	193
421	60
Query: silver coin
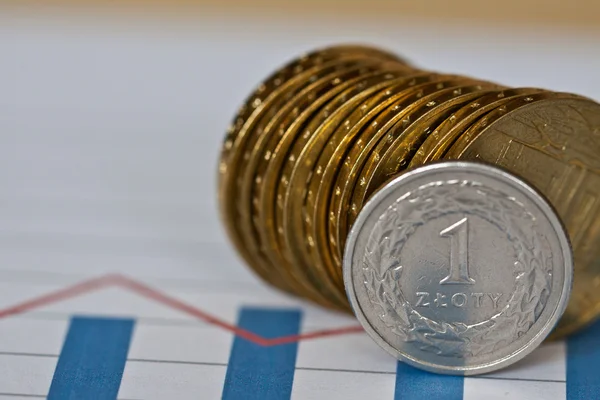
458	268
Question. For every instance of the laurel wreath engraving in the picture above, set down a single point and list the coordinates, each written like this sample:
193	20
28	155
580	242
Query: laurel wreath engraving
382	268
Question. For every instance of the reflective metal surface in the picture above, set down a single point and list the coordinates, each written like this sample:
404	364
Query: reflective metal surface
458	267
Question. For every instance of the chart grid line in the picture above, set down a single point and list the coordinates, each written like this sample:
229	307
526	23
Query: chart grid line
43	396
33	396
299	368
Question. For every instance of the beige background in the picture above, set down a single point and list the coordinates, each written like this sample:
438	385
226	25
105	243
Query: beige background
579	15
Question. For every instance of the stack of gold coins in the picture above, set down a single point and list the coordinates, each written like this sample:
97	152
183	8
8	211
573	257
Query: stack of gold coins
323	133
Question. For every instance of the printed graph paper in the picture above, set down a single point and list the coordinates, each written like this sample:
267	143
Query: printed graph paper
116	280
115	336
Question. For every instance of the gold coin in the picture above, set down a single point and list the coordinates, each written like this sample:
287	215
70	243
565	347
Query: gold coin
356	147
396	156
256	102
233	146
293	74
293	160
440	140
553	140
245	156
339	170
316	213
290	211
341	51
252	173
271	175
260	102
475	130
374	135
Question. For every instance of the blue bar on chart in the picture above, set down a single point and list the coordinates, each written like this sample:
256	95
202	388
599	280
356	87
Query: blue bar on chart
91	363
256	372
415	384
583	364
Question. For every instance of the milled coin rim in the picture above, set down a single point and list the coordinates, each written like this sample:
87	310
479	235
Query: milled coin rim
494	172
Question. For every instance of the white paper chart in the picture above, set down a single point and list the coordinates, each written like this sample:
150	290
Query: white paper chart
116	279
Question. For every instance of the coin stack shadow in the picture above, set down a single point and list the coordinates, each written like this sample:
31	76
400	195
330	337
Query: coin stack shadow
317	138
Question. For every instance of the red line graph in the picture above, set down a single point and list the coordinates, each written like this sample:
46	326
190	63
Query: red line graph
156	295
